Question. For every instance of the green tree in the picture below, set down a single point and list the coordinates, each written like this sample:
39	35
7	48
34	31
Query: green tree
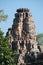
39	38
3	17
7	57
6	54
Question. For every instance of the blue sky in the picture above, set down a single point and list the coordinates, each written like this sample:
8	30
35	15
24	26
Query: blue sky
10	7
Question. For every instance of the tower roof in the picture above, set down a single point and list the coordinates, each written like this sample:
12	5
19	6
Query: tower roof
22	10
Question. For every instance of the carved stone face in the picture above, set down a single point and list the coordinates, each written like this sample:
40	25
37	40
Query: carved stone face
24	30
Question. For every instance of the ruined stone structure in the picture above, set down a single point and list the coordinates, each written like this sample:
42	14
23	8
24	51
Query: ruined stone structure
23	35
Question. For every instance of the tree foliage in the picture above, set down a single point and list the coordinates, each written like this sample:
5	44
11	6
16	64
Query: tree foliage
7	57
3	17
6	54
39	38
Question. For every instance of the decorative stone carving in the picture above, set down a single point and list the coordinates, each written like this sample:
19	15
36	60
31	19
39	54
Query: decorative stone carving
23	32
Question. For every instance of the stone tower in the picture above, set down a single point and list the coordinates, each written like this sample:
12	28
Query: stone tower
23	35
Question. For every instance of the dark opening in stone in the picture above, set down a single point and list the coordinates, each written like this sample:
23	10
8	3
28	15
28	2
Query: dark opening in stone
14	46
20	51
22	44
26	14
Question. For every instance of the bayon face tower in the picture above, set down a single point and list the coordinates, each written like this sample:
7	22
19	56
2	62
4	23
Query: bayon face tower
23	35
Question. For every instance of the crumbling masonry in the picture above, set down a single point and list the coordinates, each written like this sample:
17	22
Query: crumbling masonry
23	35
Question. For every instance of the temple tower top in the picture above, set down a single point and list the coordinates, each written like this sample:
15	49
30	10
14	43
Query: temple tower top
22	10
